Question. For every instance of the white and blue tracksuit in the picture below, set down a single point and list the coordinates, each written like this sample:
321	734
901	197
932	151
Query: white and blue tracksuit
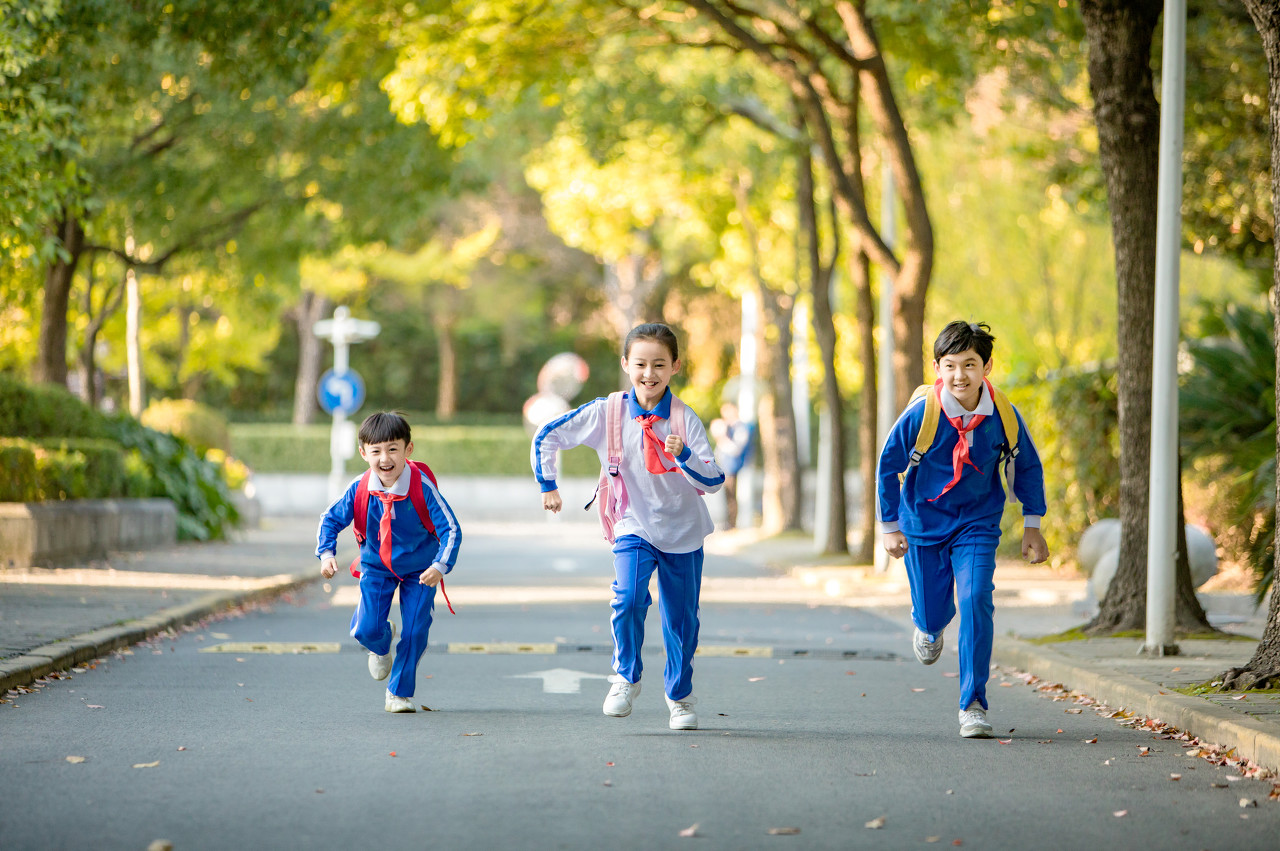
662	529
952	541
413	550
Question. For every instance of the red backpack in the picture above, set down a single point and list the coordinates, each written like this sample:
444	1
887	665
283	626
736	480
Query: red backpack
361	521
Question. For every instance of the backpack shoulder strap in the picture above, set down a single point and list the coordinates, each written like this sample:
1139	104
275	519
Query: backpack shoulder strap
678	408
613	431
929	425
416	496
1007	418
361	506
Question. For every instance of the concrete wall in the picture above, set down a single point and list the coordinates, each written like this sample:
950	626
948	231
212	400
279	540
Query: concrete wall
73	531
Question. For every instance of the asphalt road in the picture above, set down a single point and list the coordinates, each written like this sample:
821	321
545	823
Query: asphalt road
817	725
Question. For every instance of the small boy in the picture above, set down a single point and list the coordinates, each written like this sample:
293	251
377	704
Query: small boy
945	519
398	551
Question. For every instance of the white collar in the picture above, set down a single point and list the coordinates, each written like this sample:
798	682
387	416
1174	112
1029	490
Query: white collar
953	408
400	488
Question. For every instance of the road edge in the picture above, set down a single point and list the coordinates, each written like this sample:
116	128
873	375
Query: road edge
80	649
1253	739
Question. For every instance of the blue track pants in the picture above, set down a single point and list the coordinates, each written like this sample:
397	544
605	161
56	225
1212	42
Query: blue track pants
369	623
679	584
961	568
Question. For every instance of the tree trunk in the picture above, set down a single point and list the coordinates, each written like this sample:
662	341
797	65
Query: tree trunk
860	278
1263	669
1128	122
824	330
446	321
51	351
911	283
780	450
311	308
777	421
133	342
88	356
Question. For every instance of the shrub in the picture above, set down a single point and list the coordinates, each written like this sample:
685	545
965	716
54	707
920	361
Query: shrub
17	471
201	426
80	468
449	450
38	411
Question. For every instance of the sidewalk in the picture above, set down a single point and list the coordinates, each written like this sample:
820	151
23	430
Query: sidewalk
1032	602
53	619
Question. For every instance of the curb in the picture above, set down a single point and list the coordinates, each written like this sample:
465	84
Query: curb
1252	739
79	649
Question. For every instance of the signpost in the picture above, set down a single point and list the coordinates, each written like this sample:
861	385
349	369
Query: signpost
340	390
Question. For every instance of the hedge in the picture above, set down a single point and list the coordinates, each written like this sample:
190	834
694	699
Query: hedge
17	471
70	468
449	450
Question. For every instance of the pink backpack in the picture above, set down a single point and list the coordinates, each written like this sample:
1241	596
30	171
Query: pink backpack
611	495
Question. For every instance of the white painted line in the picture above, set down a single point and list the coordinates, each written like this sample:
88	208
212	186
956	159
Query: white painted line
560	680
273	647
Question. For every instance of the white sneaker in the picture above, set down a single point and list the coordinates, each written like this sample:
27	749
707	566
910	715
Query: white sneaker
380	666
927	647
682	715
399	704
973	722
621	693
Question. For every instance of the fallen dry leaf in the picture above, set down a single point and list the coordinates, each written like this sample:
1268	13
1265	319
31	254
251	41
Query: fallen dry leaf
1175	776
93	706
1092	741
473	734
783	831
851	673
932	839
75	760
1240	697
1006	685
952	674
917	690
1059	729
1004	741
1120	813
609	764
1143	750
691	830
957	842
1044	741
754	679
1217	785
608	782
426	708
875	823
1248	802
146	764
393	753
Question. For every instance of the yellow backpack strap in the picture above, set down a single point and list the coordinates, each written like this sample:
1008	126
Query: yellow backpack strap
928	426
1009	420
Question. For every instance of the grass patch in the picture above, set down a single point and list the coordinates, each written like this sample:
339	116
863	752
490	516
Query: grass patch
1077	633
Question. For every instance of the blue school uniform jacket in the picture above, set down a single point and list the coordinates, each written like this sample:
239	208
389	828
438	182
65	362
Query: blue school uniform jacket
413	548
978	497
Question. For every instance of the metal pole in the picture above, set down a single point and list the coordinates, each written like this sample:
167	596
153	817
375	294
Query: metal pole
747	401
886	407
338	451
1162	538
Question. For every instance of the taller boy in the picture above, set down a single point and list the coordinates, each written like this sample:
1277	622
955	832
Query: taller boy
944	515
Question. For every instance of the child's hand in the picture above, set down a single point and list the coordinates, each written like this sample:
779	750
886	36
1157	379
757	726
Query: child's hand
895	544
675	445
328	567
551	501
431	576
1034	547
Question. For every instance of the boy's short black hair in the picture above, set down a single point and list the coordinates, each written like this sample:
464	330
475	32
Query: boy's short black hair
960	336
384	427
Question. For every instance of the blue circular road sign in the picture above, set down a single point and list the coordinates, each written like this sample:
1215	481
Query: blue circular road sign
340	392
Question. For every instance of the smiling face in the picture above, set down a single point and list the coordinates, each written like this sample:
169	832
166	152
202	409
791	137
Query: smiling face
962	375
650	366
387	460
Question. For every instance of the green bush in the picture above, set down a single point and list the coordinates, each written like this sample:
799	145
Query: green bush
80	468
201	426
449	450
38	411
17	471
177	471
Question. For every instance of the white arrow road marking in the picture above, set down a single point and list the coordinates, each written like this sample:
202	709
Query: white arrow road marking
560	680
